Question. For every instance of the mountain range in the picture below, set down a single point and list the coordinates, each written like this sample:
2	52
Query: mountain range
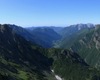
42	36
41	53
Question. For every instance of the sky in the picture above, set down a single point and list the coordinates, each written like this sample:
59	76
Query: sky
28	13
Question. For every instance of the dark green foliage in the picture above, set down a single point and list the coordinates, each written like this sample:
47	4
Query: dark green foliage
85	42
70	66
19	58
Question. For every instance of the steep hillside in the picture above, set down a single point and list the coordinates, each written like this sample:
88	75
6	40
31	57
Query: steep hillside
19	59
24	33
72	33
46	36
88	47
41	36
85	42
70	30
70	66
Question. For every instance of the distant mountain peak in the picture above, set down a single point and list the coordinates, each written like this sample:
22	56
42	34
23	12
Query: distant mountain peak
82	26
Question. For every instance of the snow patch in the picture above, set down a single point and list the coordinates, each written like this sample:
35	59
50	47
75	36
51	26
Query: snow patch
56	76
52	71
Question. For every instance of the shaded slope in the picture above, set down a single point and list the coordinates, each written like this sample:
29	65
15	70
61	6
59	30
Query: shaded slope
40	36
19	59
46	36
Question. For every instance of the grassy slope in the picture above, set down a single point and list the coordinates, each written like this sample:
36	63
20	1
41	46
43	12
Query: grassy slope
70	66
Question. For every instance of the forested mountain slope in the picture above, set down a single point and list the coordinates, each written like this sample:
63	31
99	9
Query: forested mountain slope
22	60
